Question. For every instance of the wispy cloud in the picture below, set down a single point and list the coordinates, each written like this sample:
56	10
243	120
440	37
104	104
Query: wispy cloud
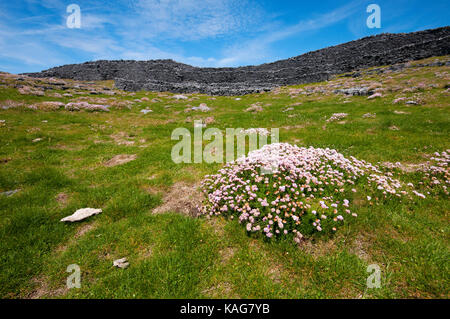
193	19
259	48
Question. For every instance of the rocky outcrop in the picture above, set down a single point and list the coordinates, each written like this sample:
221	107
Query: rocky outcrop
316	66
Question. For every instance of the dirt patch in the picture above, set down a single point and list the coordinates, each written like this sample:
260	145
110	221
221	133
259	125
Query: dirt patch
84	229
81	231
318	249
226	254
221	290
122	138
182	198
62	199
217	224
4	160
360	247
120	159
44	290
294	127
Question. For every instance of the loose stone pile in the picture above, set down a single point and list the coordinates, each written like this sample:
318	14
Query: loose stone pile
317	66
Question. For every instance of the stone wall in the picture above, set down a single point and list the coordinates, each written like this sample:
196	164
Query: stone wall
168	75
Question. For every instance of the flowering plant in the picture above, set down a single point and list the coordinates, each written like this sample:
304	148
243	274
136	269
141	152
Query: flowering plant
308	192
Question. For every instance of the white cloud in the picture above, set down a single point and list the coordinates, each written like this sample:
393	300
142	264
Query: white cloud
258	49
193	19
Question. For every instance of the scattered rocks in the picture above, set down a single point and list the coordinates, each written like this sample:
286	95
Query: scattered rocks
354	91
394	128
81	214
369	115
37	140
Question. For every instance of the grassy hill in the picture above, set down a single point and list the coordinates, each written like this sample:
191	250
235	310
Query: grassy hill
58	161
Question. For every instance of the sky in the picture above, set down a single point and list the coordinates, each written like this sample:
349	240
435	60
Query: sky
35	35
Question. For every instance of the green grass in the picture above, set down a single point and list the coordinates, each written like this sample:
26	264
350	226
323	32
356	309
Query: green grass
176	256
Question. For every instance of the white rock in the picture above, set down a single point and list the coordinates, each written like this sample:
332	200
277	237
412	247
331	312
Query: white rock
121	263
81	214
180	97
145	111
202	107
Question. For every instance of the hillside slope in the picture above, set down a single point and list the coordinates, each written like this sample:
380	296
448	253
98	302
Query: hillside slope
316	66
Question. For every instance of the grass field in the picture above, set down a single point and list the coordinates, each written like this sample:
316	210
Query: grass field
56	159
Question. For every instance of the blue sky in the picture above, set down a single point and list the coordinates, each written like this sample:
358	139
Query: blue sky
34	35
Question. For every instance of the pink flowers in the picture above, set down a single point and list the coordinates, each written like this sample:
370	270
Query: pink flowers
308	182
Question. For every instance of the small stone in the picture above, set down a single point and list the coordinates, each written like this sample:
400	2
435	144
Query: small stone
180	97
146	111
374	96
121	263
37	140
369	115
81	214
10	193
202	107
254	108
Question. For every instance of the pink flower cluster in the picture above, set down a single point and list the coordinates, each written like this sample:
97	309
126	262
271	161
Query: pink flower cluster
304	195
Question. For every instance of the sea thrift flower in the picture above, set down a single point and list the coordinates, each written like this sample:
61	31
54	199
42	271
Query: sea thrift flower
305	181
